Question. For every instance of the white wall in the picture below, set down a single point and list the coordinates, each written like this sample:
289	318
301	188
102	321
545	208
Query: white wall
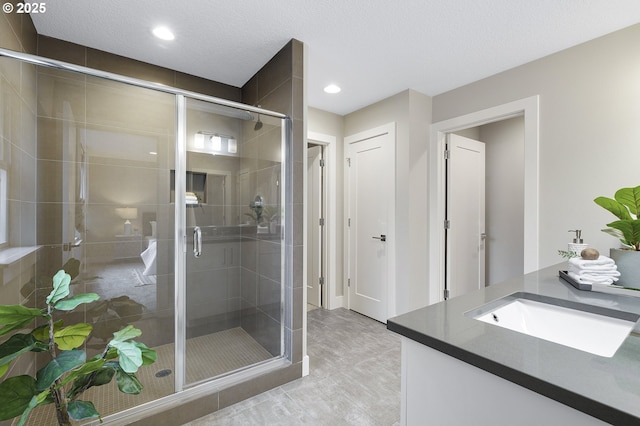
589	130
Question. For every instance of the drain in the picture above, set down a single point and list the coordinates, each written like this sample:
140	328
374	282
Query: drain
163	373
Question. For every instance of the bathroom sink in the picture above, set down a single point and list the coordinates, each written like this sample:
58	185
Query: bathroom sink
592	329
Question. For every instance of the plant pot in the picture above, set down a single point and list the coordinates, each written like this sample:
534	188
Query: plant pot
628	262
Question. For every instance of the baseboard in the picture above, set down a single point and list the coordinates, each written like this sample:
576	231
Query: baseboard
305	365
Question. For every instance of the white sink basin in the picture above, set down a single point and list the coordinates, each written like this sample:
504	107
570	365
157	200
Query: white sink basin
598	334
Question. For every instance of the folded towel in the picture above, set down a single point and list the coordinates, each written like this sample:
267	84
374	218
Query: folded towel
584	263
612	270
592	280
590	277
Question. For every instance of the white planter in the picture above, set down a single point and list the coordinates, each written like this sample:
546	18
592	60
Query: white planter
628	262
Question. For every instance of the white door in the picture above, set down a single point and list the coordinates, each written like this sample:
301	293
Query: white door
466	215
371	204
314	208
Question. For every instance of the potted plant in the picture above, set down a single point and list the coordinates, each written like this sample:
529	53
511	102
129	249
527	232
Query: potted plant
68	373
626	207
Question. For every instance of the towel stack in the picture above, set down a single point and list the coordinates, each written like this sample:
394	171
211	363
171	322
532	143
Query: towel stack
602	270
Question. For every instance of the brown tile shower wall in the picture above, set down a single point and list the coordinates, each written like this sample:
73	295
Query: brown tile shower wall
85	56
278	86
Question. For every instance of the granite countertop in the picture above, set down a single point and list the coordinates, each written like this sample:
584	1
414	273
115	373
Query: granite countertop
606	388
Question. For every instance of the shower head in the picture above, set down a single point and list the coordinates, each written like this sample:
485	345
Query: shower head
258	125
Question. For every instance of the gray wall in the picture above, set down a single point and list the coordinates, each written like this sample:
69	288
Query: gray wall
589	130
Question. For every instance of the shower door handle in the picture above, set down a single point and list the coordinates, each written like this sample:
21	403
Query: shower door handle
197	241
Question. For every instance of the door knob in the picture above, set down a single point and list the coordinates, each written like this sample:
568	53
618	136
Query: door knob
382	237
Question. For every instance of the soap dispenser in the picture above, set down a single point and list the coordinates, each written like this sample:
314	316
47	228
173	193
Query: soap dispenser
578	243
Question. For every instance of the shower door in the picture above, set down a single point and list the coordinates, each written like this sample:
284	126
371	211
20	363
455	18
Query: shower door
233	251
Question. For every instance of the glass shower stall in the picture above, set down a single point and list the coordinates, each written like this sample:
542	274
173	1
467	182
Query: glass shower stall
170	205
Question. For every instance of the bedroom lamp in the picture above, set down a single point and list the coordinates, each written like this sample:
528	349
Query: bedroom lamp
127	213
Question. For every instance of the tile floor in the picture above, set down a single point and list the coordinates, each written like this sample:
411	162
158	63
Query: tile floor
354	379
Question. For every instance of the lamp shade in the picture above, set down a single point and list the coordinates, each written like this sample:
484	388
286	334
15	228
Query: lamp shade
127	212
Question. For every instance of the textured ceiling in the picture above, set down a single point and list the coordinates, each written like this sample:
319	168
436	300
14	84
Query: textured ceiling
371	48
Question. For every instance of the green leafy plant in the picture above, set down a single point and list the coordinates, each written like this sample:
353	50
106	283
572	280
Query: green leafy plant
69	373
626	207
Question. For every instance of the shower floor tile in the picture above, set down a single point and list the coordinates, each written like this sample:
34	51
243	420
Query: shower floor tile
206	356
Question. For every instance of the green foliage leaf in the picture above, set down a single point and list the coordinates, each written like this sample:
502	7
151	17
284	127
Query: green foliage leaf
86	369
97	378
36	400
42	333
15	346
630	231
15	317
130	355
629	197
82	410
618	209
61	281
73	302
73	336
127	333
149	356
15	396
66	361
128	383
4	369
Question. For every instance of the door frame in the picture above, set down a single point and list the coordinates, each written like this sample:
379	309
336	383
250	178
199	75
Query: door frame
389	128
529	108
320	230
331	301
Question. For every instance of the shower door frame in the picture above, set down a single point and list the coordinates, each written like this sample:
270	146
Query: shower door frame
181	393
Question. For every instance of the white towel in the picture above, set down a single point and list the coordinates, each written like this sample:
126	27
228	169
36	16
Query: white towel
592	280
599	270
584	263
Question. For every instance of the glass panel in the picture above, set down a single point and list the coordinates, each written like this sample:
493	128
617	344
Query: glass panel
233	287
104	155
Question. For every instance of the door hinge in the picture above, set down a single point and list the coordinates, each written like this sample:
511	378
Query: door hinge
321	221
348	282
446	154
447	224
349	162
321	280
446	293
322	163
349	222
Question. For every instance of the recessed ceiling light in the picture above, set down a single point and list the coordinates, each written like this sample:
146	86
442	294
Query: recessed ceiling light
163	33
332	88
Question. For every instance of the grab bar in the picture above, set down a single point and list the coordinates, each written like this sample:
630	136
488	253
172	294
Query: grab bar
197	241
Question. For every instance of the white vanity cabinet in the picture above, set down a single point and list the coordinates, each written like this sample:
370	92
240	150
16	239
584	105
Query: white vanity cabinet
441	390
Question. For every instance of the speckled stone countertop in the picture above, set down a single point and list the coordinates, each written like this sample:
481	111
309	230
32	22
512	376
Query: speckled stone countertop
606	388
